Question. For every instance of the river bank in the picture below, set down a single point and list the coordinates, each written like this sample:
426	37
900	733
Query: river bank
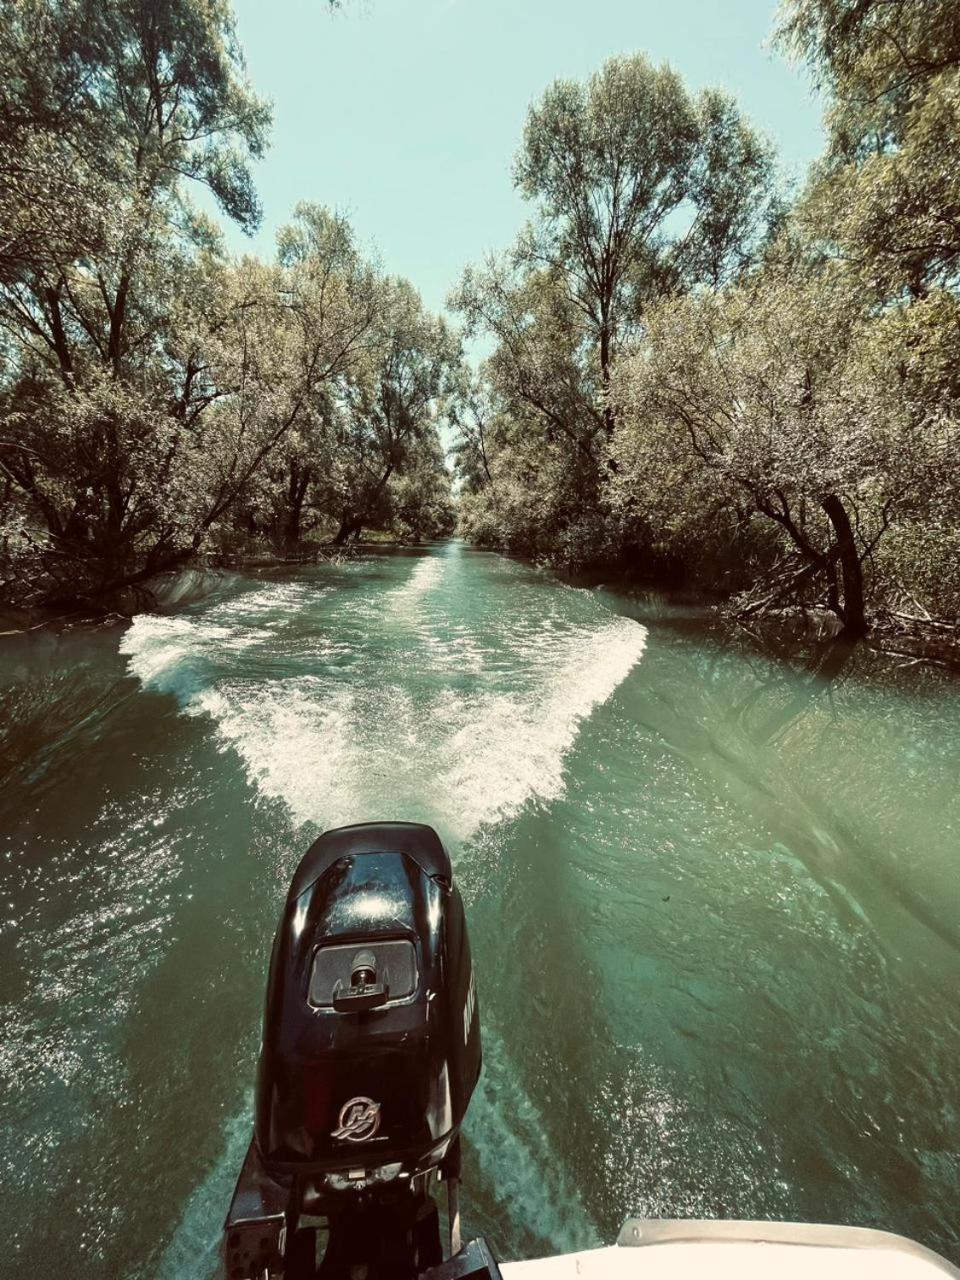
187	583
796	632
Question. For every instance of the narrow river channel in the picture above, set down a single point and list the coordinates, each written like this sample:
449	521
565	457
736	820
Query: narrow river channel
714	902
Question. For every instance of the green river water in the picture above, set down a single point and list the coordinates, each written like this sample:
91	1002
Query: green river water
714	904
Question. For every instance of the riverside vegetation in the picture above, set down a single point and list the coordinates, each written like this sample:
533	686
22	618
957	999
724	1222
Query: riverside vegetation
158	398
707	381
695	374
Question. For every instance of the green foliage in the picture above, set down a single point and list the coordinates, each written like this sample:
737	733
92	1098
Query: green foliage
640	190
887	192
105	107
789	402
420	499
640	186
683	371
689	374
154	393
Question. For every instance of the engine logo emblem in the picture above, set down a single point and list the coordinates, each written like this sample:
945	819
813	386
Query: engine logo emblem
358	1121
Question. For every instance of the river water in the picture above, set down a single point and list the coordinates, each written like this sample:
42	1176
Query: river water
714	904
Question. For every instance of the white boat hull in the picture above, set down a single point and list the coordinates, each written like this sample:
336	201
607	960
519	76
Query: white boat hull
651	1249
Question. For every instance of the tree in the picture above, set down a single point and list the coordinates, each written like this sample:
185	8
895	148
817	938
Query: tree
887	193
49	207
288	342
150	94
333	298
116	101
884	201
155	394
420	499
791	399
538	365
640	190
391	406
471	412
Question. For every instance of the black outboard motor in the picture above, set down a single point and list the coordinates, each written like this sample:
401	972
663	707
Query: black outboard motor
371	1051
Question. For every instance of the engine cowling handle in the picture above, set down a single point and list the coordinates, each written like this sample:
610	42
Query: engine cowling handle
364	992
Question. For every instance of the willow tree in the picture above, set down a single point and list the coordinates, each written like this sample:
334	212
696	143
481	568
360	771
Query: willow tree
787	401
290	340
332	296
887	192
392	404
639	189
154	96
884	201
53	143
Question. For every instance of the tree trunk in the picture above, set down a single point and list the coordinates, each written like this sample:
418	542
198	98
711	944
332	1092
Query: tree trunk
605	361
851	569
296	497
291	527
347	523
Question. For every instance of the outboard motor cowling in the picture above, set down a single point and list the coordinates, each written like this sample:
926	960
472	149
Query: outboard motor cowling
371	1047
370	1053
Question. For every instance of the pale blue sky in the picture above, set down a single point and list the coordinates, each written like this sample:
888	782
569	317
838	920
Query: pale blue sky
405	114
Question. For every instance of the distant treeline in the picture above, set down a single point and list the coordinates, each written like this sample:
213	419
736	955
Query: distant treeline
694	375
159	398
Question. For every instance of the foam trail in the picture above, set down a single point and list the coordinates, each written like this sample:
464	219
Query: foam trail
460	759
278	598
343	710
333	749
512	749
506	1133
295	740
173	654
193	1251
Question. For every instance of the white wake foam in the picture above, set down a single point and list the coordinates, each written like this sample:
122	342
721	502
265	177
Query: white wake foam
279	598
294	737
170	654
334	753
193	1251
508	1135
511	748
